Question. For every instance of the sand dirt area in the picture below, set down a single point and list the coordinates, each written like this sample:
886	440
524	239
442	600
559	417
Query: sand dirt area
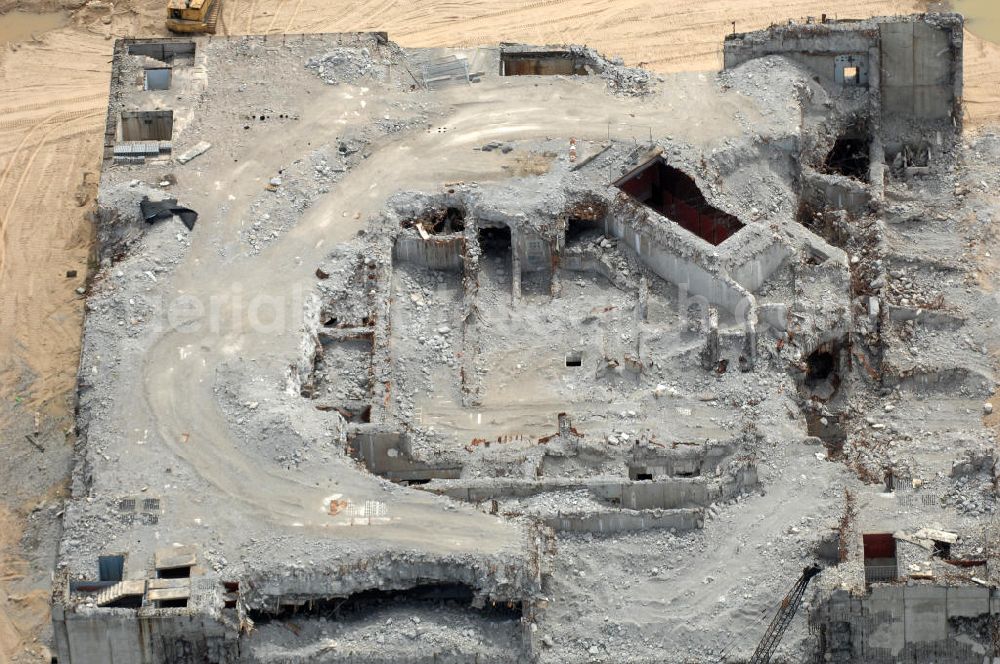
54	74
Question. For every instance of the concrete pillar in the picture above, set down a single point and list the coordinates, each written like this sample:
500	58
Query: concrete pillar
470	287
515	267
379	294
748	359
643	298
710	353
555	253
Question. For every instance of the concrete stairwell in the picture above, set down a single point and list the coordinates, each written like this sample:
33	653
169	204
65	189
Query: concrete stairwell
123	593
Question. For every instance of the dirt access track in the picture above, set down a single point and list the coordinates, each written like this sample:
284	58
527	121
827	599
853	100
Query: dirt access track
53	94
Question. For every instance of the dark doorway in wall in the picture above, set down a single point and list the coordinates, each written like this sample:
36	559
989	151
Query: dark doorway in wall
880	557
574	359
577	228
675	195
111	568
147	125
643	476
850	157
495	240
549	63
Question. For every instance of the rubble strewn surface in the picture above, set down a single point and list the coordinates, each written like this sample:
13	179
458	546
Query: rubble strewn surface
575	367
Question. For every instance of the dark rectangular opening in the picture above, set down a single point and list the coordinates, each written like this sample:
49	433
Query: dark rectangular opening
172	603
549	63
676	196
495	240
426	596
578	229
126	602
574	359
880	557
178	52
111	568
231	594
687	473
643	476
174	573
147	125
942	549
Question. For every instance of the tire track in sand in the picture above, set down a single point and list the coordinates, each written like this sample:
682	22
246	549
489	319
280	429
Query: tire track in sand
24	175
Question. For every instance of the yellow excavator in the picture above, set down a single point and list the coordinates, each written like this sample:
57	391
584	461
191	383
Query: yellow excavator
193	16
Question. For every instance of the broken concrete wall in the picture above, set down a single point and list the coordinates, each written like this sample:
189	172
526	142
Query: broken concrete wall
626	521
736	481
436	253
127	636
500	580
816	46
664	494
914	63
822	192
912	623
389	454
922	68
752	269
673	258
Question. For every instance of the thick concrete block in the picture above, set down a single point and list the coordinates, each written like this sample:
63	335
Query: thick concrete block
885	607
968	601
925	618
897	54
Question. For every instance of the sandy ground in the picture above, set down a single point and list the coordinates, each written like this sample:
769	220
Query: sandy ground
52	98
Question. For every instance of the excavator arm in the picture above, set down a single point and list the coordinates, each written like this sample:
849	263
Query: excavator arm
789	605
